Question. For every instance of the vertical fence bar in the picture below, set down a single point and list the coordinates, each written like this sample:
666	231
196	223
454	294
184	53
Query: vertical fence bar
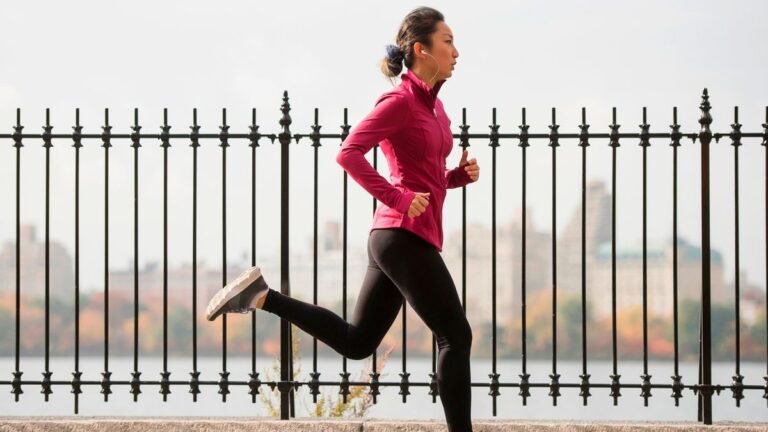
645	387
224	138
677	380
76	375
699	402
705	392
46	384
194	383
494	375
614	144
165	138
285	286
765	146
17	143
106	384
135	375
554	384
737	386
404	392
314	386
584	143
434	390
464	144
253	382
404	384
525	376
344	384
374	386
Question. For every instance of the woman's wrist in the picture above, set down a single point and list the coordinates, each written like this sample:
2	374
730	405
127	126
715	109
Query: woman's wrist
404	203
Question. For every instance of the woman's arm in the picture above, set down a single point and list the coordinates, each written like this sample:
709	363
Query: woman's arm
385	119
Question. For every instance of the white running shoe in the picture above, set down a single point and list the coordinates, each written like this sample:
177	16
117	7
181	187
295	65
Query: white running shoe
238	296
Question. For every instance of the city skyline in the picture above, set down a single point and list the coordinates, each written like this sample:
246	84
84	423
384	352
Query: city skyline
330	277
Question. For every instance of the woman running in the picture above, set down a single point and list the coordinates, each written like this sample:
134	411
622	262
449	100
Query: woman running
405	241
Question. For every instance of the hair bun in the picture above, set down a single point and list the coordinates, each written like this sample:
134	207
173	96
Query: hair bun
394	53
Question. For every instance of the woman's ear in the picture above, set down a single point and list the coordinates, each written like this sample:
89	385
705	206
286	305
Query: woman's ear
417	47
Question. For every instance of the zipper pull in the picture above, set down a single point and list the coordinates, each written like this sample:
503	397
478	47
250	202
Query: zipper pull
434	111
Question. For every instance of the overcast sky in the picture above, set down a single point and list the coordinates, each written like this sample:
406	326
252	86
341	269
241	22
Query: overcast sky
240	55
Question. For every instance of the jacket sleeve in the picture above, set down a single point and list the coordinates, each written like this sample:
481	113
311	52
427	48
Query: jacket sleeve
457	177
385	119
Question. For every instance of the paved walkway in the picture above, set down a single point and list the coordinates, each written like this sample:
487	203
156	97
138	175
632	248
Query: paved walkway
254	424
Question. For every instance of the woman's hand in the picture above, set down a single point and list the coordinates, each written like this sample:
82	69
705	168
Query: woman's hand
470	166
419	204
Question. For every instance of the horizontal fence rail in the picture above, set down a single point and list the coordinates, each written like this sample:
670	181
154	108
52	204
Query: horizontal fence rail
701	386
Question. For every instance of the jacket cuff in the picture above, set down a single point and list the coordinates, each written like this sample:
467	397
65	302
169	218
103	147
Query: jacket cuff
404	203
458	177
464	176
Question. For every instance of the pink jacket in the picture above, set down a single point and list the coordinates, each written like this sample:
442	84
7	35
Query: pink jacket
413	131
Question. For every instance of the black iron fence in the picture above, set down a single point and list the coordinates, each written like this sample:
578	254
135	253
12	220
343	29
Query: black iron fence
701	386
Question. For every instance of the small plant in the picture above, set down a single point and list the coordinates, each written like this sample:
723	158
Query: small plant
329	403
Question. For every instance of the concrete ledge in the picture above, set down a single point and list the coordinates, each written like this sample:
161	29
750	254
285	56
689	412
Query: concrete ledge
258	424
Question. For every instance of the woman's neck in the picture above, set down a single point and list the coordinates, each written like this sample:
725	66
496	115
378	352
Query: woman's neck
424	76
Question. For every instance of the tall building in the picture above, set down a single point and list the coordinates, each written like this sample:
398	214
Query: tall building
32	267
597	222
629	264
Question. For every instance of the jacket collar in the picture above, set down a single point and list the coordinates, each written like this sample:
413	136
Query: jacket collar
429	94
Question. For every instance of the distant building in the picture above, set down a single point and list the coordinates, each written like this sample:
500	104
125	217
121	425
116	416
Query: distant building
597	222
150	282
210	280
629	264
330	269
508	264
597	245
32	265
660	280
752	299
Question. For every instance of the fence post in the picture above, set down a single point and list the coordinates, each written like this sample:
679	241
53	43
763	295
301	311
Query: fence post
705	335
285	386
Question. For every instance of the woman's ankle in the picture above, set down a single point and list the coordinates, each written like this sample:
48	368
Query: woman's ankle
259	300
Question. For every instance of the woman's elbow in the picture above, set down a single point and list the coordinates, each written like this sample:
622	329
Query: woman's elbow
341	157
345	156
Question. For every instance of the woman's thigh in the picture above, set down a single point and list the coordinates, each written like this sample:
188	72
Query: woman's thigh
377	306
419	273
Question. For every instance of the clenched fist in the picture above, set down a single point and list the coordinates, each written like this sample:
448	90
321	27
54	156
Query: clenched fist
419	204
470	166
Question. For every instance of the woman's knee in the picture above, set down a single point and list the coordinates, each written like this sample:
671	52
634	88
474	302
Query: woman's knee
465	335
459	337
359	346
358	351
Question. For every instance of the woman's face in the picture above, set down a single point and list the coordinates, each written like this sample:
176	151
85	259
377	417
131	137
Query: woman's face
443	51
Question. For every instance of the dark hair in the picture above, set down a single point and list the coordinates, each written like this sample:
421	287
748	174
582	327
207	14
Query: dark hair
416	27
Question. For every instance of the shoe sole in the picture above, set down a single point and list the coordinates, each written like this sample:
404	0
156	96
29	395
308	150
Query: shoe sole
230	291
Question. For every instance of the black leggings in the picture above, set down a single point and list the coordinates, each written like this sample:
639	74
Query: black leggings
400	265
